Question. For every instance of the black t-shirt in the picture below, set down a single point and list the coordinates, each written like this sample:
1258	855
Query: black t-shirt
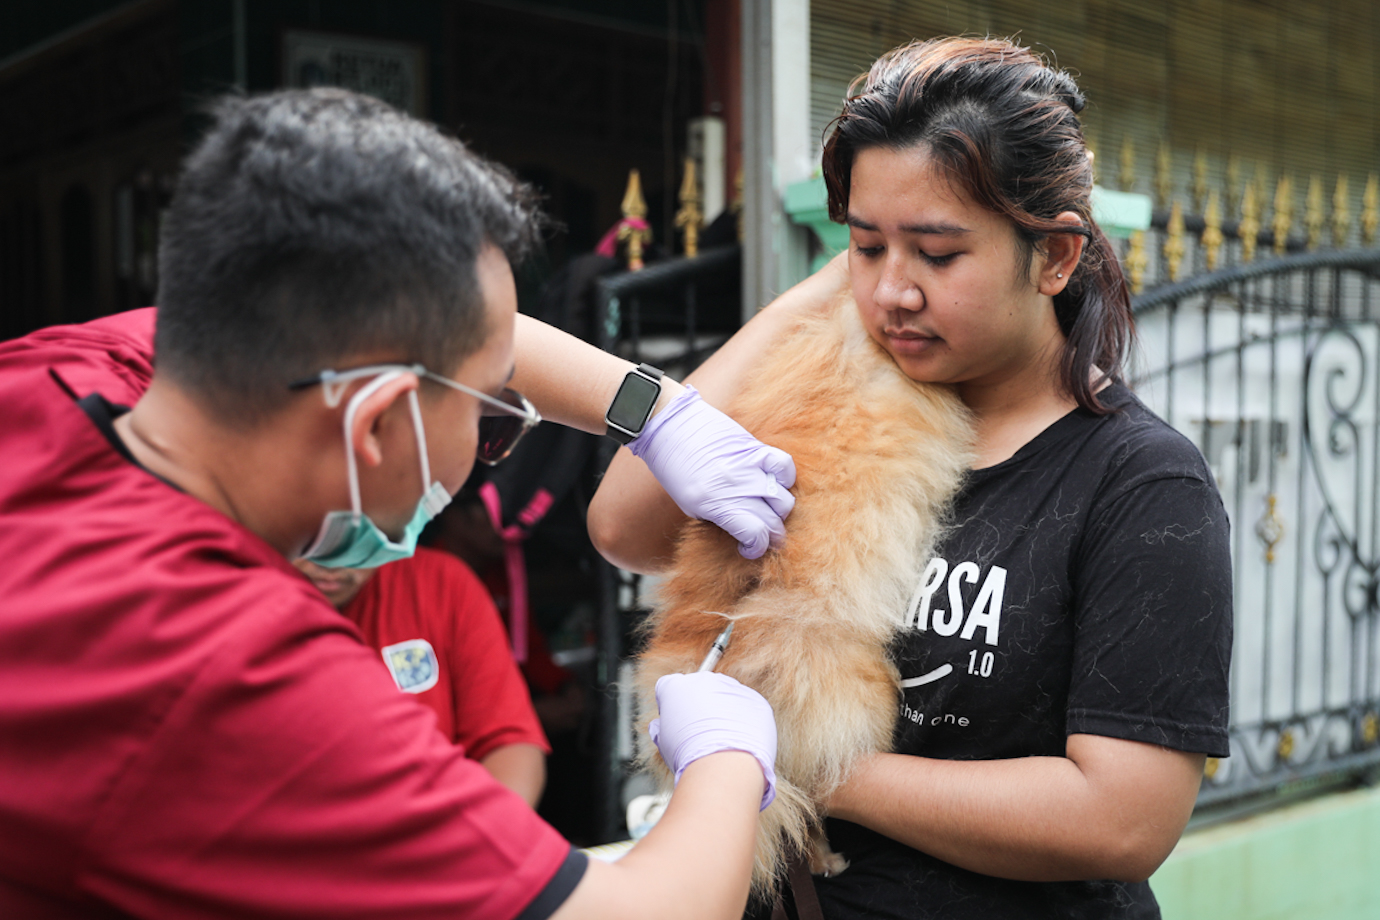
1085	587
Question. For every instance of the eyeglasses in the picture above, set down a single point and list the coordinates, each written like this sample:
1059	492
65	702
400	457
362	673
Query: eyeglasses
503	420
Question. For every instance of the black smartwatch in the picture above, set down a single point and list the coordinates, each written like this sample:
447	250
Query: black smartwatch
632	406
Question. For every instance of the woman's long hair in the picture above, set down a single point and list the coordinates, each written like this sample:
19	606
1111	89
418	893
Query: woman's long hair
1004	127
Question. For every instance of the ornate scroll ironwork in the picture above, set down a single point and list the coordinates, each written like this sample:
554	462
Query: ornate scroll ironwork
1272	367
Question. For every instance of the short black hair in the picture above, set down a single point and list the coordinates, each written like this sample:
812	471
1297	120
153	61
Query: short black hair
310	226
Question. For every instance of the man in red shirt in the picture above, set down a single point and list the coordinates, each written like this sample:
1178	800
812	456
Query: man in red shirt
187	728
441	637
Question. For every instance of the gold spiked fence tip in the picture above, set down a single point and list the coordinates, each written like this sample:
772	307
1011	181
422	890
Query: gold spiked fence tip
634	232
1175	246
1200	182
1164	175
1314	216
1137	262
1284	214
690	217
1233	185
1248	231
1212	232
1341	213
1127	177
1370	210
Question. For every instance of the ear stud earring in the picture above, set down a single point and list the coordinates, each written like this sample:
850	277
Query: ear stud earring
1058	274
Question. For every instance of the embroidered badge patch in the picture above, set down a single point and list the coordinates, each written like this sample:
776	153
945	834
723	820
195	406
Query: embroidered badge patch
413	665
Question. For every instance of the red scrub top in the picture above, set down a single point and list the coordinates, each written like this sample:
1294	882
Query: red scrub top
187	728
441	638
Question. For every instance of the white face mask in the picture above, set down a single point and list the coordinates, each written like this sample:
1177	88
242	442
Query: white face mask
349	539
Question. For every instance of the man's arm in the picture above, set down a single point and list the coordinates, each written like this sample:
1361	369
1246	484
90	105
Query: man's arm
710	468
1110	809
520	767
695	863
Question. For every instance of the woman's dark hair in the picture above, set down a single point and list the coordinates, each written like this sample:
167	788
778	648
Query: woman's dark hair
1004	127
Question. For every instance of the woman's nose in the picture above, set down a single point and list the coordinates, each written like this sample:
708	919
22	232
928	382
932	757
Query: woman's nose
896	291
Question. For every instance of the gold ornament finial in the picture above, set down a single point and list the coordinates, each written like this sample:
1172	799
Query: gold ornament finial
1284	214
1212	232
689	217
1370	210
634	230
1341	214
1174	244
1200	182
1128	164
1248	231
1233	185
1262	184
1137	261
1314	216
1164	175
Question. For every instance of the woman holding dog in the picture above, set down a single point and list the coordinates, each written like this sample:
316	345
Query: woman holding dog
1064	666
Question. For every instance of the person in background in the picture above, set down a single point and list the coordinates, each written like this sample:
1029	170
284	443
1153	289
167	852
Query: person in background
187	728
442	640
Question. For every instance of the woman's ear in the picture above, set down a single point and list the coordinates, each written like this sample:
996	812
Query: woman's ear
372	414
1061	254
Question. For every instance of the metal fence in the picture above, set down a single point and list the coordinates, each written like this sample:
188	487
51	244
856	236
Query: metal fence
1270	367
671	314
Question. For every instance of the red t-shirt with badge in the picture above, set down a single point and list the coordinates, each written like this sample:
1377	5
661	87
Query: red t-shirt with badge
187	728
440	636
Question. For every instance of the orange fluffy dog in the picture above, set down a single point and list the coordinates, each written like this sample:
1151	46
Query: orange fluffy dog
878	458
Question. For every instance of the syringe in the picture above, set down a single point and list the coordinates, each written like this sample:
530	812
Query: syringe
716	651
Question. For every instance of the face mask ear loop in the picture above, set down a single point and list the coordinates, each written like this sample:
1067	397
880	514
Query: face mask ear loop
356	505
421	439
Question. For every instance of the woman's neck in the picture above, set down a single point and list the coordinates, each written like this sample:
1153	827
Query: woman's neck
1010	413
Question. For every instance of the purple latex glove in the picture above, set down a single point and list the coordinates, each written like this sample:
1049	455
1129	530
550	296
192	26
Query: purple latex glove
717	472
705	713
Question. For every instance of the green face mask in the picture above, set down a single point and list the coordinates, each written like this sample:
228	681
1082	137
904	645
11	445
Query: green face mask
349	539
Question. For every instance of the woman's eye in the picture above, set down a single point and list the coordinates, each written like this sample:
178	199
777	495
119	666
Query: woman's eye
868	251
939	261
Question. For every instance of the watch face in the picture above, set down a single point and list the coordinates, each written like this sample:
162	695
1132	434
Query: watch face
634	402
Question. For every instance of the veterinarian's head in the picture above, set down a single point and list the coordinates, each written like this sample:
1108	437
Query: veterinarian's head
961	169
336	298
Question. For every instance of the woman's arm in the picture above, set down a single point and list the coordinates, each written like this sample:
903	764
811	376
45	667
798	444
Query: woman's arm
632	521
520	767
1110	809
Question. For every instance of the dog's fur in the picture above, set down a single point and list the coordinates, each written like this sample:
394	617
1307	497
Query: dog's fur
878	459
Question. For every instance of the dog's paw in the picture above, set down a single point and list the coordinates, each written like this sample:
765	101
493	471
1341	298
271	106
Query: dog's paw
824	861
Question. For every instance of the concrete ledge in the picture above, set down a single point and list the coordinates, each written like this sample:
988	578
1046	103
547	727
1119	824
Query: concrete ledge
1318	860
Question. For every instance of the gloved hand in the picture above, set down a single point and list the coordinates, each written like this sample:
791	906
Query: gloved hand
717	472
705	713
